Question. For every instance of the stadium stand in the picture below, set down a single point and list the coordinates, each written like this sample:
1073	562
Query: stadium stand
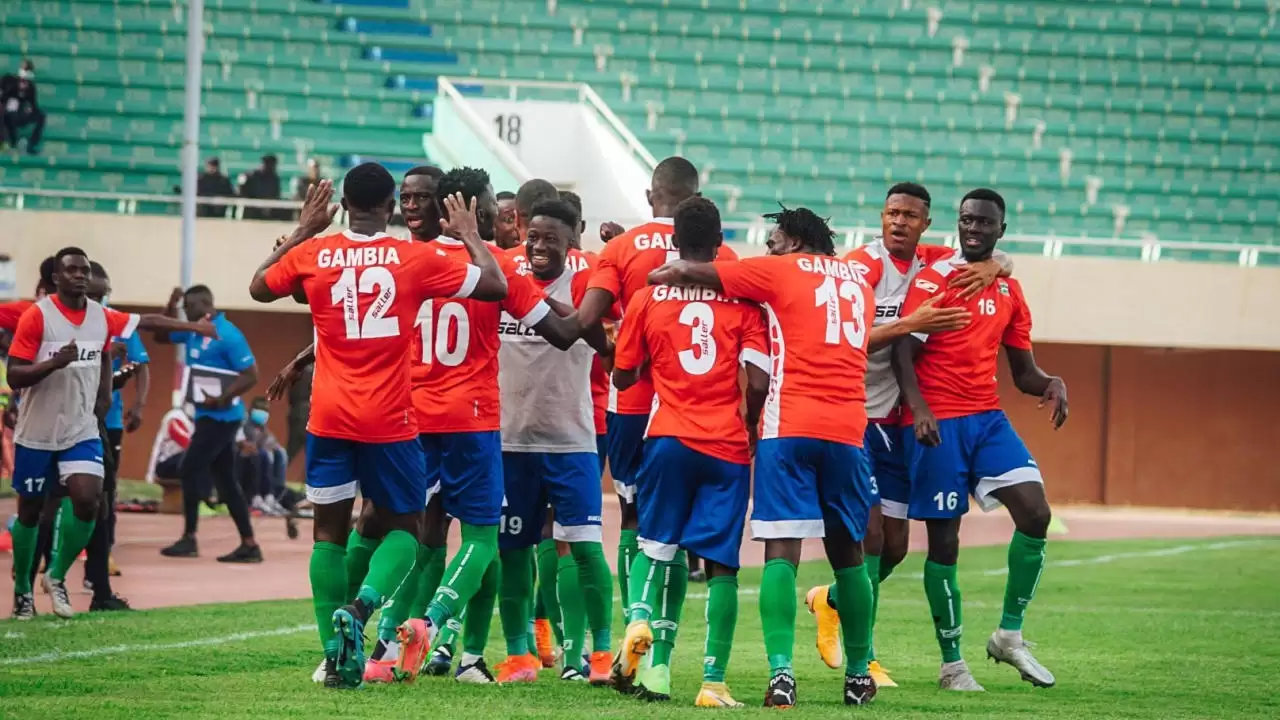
1100	118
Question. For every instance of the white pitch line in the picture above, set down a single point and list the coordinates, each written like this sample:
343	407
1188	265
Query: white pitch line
58	655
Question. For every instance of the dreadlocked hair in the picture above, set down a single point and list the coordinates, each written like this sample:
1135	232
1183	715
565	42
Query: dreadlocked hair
804	225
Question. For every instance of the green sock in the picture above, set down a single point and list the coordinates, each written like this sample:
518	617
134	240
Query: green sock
873	573
402	602
548	568
597	591
573	613
463	576
513	600
24	555
628	549
388	568
644	591
1026	562
477	617
531	611
855	604
722	619
778	613
675	583
943	592
70	535
359	550
428	580
328	590
448	637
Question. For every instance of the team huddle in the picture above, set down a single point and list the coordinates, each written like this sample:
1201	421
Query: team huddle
459	379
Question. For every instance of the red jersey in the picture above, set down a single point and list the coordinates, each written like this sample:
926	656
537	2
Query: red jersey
455	386
956	369
10	312
28	335
819	311
694	339
624	270
364	294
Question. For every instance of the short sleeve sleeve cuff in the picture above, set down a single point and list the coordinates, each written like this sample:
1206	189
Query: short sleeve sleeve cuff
469	282
535	316
755	357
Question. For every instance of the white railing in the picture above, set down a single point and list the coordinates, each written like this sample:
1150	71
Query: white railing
752	233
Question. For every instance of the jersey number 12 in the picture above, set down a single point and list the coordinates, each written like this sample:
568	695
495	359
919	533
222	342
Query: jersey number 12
346	293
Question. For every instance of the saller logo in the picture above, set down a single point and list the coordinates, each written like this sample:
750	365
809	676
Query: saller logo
887	311
926	286
859	267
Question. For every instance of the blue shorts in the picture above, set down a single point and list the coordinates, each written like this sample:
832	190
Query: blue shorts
392	474
979	454
626	451
466	469
883	443
805	485
567	481
693	501
602	450
35	471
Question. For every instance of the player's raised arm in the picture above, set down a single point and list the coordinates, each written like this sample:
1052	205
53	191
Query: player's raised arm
317	214
460	222
688	274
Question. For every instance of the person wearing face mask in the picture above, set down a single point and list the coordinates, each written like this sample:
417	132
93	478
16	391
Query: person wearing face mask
261	462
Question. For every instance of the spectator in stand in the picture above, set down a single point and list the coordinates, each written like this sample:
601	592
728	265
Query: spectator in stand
212	183
263	184
305	182
18	108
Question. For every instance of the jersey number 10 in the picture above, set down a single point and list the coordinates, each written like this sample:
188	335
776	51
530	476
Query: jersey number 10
435	333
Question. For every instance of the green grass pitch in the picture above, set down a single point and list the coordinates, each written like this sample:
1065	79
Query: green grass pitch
1155	629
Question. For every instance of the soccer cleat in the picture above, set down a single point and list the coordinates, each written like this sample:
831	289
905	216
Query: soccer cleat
654	683
1007	647
715	695
635	645
110	603
828	626
57	590
880	675
518	669
572	674
415	637
379	671
318	675
24	606
440	662
349	627
956	676
86	588
601	667
782	691
333	680
545	642
243	554
859	689
476	673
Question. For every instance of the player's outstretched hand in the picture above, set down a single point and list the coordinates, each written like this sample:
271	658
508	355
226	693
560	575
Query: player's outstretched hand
66	355
610	230
205	328
283	380
973	278
929	318
926	428
317	212
462	217
1056	395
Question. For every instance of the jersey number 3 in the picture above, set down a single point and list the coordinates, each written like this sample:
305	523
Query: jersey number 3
699	359
826	296
346	293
